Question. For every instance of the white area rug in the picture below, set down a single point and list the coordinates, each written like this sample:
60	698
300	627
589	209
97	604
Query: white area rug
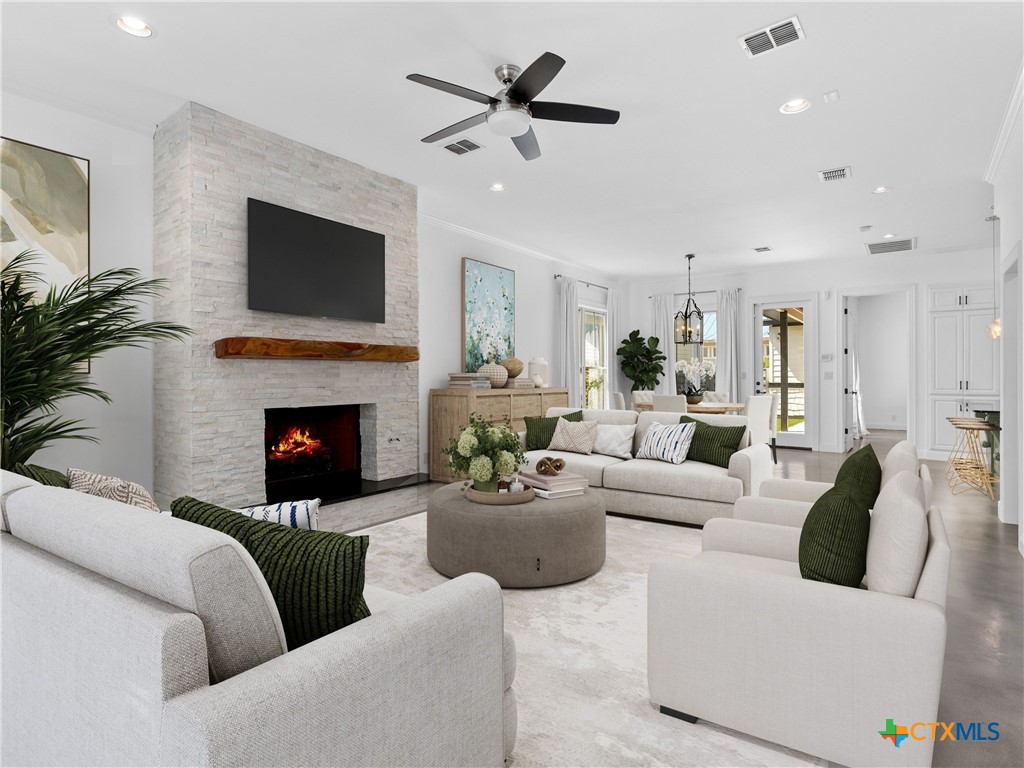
581	678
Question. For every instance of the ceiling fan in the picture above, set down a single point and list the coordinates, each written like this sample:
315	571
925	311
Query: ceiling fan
511	110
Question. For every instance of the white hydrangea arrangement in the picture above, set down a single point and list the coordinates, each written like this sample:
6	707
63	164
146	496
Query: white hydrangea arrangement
485	452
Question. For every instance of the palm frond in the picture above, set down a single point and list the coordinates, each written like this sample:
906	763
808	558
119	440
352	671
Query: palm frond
46	341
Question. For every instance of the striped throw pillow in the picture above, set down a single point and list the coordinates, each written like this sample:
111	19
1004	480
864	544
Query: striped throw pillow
316	577
574	438
666	442
294	514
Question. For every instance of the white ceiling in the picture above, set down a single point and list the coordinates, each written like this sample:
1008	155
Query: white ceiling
701	159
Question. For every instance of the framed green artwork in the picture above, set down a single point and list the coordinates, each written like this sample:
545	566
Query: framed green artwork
45	208
489	309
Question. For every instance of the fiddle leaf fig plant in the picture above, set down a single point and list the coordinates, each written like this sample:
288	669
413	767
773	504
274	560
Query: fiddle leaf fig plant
46	341
641	360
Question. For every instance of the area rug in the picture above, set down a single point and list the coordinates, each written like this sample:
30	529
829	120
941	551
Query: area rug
581	678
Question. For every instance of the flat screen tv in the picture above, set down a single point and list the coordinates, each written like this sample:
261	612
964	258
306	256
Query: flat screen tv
301	264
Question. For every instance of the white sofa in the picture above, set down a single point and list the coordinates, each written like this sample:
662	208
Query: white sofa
691	492
738	638
133	638
786	502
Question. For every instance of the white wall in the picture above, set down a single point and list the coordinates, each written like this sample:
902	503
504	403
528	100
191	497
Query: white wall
442	249
1007	178
825	282
121	235
882	344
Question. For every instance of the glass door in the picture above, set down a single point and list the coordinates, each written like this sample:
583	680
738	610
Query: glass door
594	355
782	368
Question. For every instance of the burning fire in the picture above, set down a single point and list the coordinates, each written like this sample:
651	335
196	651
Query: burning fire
296	442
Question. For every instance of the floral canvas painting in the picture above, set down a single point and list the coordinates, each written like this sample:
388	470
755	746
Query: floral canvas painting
45	208
489	303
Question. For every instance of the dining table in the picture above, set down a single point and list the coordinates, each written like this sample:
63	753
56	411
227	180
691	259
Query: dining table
699	407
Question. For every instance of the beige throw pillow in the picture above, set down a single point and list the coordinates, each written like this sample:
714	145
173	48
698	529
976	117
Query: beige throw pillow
575	437
113	488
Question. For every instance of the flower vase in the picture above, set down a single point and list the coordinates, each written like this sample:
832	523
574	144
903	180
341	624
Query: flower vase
491	486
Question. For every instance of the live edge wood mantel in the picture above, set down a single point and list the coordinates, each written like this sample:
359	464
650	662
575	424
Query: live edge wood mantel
308	349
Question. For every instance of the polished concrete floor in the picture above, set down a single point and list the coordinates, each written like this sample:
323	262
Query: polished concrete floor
983	677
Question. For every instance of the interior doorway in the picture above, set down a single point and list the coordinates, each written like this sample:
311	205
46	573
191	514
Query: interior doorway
877	390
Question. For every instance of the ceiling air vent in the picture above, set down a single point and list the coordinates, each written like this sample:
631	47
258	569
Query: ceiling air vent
462	147
763	249
892	246
835	174
775	36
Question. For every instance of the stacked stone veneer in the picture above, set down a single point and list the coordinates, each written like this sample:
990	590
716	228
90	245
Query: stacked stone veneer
210	413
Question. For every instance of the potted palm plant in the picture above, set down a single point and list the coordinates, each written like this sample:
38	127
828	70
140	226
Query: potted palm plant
46	342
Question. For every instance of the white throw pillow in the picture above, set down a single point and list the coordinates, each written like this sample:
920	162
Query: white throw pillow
667	442
294	514
898	537
574	436
615	440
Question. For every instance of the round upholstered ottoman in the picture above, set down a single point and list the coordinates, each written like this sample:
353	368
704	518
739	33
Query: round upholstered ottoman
538	544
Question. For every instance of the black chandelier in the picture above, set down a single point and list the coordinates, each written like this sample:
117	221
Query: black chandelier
689	322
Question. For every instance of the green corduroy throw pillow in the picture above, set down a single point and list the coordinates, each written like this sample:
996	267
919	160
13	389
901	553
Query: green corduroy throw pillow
862	475
834	538
713	445
540	429
43	475
316	577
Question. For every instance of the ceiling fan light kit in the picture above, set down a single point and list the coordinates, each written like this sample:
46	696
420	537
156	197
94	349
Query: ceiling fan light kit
511	111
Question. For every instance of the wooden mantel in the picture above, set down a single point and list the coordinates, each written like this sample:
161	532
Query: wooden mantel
308	349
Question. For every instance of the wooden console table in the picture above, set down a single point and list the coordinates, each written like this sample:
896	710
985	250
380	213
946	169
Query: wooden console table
450	409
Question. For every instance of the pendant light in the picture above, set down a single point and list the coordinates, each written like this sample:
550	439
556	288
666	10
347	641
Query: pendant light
689	323
995	328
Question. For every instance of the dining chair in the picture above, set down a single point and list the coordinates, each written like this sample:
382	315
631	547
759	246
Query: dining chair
671	403
618	401
758	412
773	423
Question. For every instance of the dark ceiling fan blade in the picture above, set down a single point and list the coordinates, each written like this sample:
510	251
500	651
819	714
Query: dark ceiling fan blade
573	113
527	145
459	127
535	78
455	90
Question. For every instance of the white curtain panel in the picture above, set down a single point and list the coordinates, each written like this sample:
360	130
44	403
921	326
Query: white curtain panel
567	339
727	373
664	312
617	381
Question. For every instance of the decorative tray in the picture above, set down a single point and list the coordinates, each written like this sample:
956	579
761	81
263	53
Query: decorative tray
500	499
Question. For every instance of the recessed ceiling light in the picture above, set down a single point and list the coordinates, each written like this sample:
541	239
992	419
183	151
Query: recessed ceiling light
133	26
794	106
498	187
880	190
888	237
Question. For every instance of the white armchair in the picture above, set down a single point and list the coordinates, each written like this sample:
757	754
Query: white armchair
787	502
735	631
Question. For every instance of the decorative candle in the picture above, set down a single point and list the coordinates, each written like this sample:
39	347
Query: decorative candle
516	486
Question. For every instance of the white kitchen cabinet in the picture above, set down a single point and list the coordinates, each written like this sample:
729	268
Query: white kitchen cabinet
963	361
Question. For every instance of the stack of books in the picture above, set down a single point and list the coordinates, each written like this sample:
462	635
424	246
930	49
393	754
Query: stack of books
471	380
520	384
555	486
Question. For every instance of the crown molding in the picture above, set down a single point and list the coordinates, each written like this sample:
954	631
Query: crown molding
76	106
1011	117
484	237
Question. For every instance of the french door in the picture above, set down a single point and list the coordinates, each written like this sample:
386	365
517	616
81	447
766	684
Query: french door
784	365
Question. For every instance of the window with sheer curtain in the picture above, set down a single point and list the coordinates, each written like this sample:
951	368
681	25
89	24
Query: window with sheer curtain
696	364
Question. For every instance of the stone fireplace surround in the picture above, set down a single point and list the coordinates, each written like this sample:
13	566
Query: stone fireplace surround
209	421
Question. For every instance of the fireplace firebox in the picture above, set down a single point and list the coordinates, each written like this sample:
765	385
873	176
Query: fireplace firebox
312	453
